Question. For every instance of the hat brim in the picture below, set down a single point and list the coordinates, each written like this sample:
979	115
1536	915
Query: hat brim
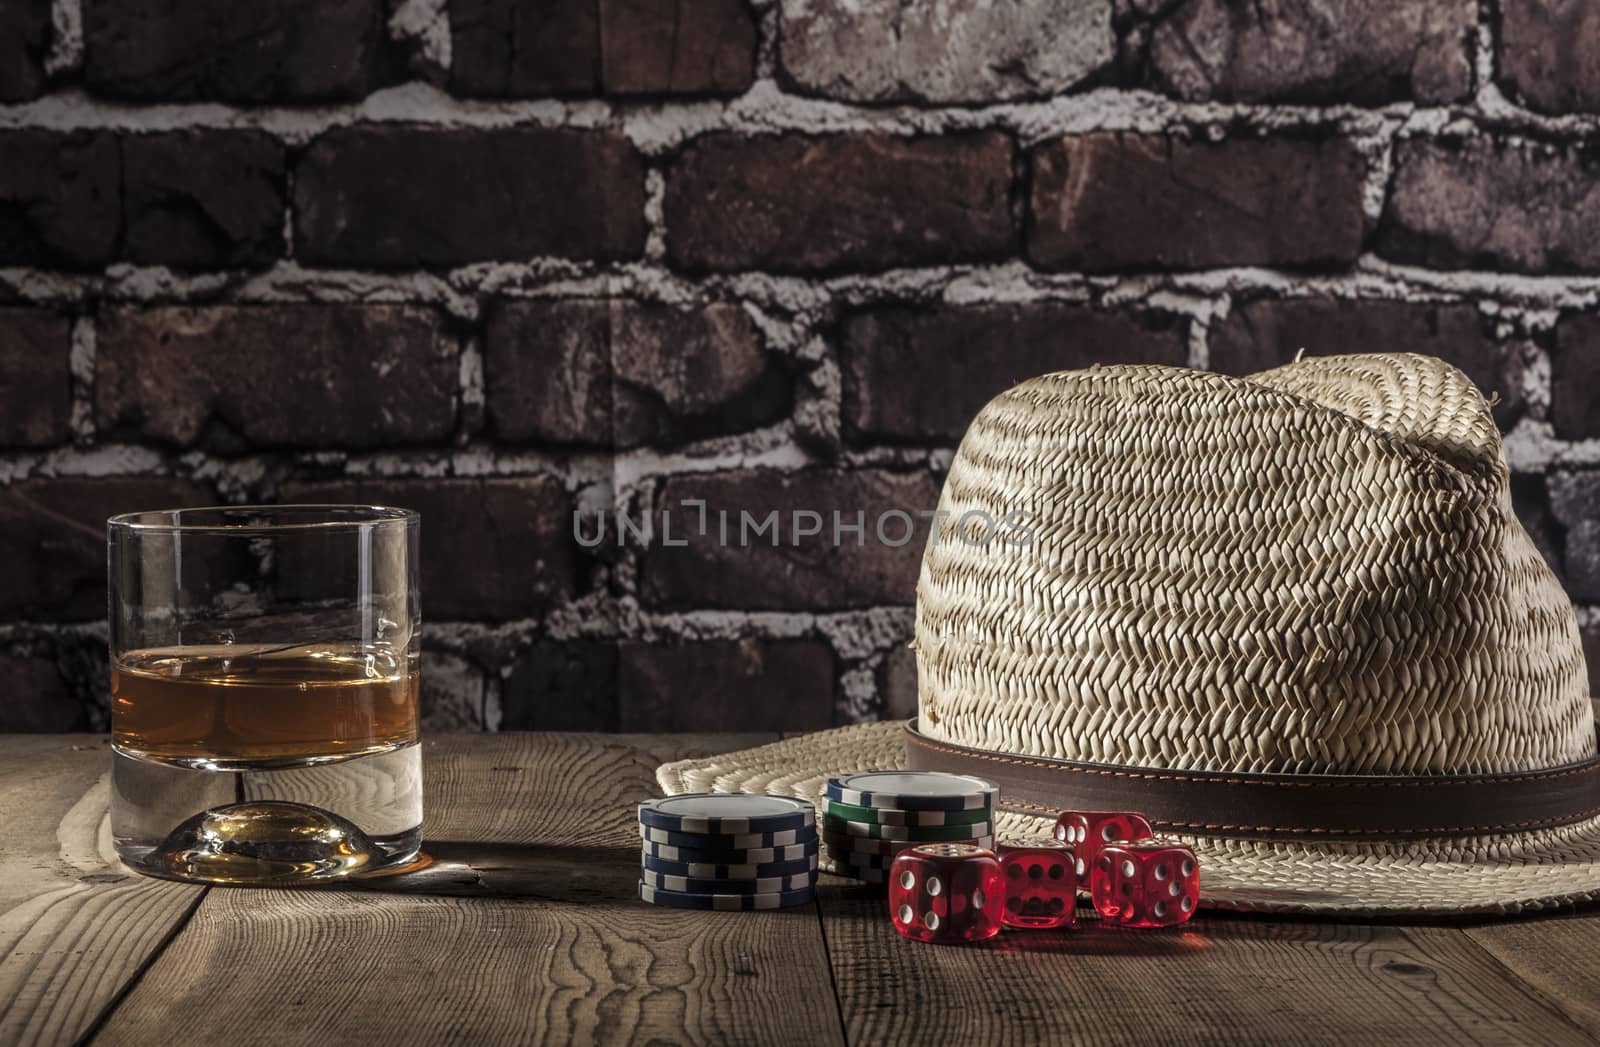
1512	873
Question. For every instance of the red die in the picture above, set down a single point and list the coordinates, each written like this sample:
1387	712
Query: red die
1088	831
1041	882
946	892
1147	883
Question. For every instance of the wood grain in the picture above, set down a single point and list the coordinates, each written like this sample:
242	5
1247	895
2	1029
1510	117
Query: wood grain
558	950
524	927
1225	980
1558	956
75	926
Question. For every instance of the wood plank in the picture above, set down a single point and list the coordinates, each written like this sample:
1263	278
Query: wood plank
1224	979
75	926
1559	956
550	943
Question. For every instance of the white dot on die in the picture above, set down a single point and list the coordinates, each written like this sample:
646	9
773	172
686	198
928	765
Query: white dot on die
1174	888
907	914
934	886
978	899
1160	909
1063	833
1081	869
908	879
1161	871
1188	867
1127	868
1106	833
931	920
1186	904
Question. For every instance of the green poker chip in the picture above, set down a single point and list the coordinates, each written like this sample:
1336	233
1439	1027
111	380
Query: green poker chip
843	843
866	874
905	833
894	816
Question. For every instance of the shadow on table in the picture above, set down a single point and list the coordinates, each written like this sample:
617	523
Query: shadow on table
548	872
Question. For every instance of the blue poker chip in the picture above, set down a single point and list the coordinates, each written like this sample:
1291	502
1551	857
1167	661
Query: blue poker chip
727	813
913	790
724	871
725	902
728	841
704	885
735	856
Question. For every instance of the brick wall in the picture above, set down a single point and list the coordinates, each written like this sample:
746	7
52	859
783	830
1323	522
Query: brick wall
498	259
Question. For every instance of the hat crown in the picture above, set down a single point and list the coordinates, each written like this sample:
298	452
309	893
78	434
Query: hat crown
1315	569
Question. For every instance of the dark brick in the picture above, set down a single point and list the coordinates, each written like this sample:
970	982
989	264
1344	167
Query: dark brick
264	51
491	548
700	47
452	693
1532	505
547	372
37	697
922	373
816	574
1575	503
529	48
400	197
1581	560
1484	203
846	201
53	539
1116	200
24	41
35	378
1368	52
522	48
1550	54
1591	652
566	685
203	199
279	375
1575	377
59	199
1265	333
899	684
727	685
625	374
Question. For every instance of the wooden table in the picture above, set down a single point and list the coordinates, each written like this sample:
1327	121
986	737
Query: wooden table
527	928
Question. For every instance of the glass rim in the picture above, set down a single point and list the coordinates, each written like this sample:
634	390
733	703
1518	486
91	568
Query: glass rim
337	516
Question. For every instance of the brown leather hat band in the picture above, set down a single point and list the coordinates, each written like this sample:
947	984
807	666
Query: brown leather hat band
1286	806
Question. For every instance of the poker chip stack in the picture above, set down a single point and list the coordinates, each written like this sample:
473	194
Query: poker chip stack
869	818
728	851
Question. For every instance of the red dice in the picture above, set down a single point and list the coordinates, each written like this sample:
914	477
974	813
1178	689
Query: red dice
1146	883
947	892
1041	882
1086	832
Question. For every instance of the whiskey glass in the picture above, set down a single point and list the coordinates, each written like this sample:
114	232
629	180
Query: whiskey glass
264	684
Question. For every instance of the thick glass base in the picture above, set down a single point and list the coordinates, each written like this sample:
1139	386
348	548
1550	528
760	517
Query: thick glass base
270	825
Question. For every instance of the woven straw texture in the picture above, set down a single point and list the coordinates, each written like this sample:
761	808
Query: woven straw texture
1312	570
1316	570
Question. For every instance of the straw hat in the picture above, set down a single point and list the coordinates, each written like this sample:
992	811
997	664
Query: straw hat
1291	617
